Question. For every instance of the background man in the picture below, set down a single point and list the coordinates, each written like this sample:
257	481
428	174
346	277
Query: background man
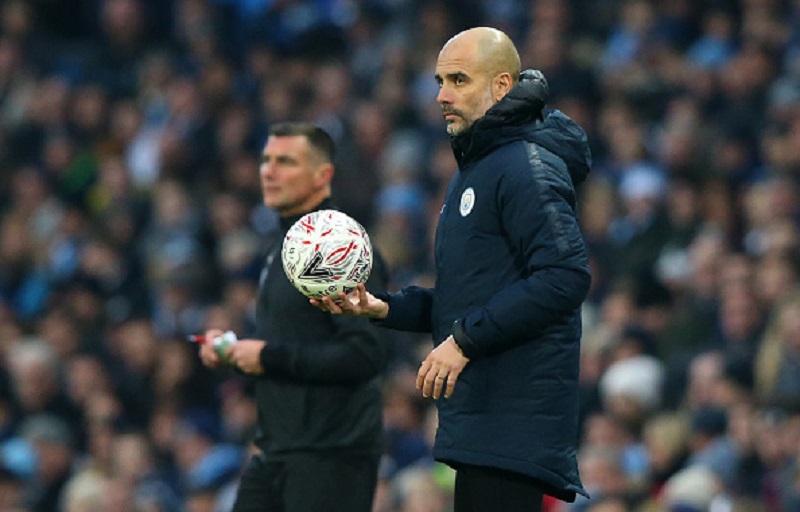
317	393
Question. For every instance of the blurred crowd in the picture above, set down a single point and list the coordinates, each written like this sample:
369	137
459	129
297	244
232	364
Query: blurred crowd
131	216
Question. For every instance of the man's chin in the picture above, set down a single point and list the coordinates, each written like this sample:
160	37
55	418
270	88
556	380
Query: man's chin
455	129
272	204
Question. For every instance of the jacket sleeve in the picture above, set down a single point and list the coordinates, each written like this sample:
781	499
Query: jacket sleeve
537	207
409	309
358	353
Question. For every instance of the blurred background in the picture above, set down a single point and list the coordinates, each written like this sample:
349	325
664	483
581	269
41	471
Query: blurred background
130	216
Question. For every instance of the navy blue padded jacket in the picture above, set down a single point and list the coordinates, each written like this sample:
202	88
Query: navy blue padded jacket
512	272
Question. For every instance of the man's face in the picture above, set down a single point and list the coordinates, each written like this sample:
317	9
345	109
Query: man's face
291	175
465	92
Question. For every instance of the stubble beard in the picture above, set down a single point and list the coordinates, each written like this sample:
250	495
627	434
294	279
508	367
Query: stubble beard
454	130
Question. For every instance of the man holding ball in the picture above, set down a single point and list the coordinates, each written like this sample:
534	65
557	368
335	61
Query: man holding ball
512	272
317	391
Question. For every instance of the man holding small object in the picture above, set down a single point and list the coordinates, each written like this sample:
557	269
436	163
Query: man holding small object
317	391
512	272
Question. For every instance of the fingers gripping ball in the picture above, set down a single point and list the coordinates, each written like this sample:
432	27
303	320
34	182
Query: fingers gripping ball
326	252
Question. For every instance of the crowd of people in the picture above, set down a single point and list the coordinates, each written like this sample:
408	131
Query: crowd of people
131	215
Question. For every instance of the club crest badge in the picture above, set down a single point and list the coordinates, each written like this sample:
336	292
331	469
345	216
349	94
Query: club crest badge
467	202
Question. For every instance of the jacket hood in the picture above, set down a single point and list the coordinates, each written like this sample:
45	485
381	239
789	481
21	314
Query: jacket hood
564	137
520	115
523	104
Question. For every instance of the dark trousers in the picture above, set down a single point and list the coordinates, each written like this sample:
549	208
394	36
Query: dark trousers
482	489
308	482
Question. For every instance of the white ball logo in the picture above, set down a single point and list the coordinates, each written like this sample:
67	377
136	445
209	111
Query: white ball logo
326	252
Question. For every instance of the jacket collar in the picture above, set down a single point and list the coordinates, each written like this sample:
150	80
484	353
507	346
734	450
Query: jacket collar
505	120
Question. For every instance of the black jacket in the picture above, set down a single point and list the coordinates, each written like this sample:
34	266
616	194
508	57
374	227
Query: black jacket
320	386
512	272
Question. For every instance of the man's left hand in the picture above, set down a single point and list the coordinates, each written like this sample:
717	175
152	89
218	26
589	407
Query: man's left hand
246	355
440	370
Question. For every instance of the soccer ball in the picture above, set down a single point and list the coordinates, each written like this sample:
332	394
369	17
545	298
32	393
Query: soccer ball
326	252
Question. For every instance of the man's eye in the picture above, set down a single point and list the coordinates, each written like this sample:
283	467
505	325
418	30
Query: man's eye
459	81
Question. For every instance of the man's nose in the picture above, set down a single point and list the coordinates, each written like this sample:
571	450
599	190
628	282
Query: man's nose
266	169
444	97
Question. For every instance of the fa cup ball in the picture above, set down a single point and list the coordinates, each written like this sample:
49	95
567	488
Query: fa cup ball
326	252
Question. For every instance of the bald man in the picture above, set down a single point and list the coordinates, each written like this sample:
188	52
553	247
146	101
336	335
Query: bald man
512	272
475	70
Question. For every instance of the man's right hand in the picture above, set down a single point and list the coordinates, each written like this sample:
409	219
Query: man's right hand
208	355
359	302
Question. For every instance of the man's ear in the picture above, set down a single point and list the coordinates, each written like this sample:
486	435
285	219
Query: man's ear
502	84
324	173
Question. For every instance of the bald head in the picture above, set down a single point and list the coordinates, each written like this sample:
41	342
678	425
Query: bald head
475	70
493	49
